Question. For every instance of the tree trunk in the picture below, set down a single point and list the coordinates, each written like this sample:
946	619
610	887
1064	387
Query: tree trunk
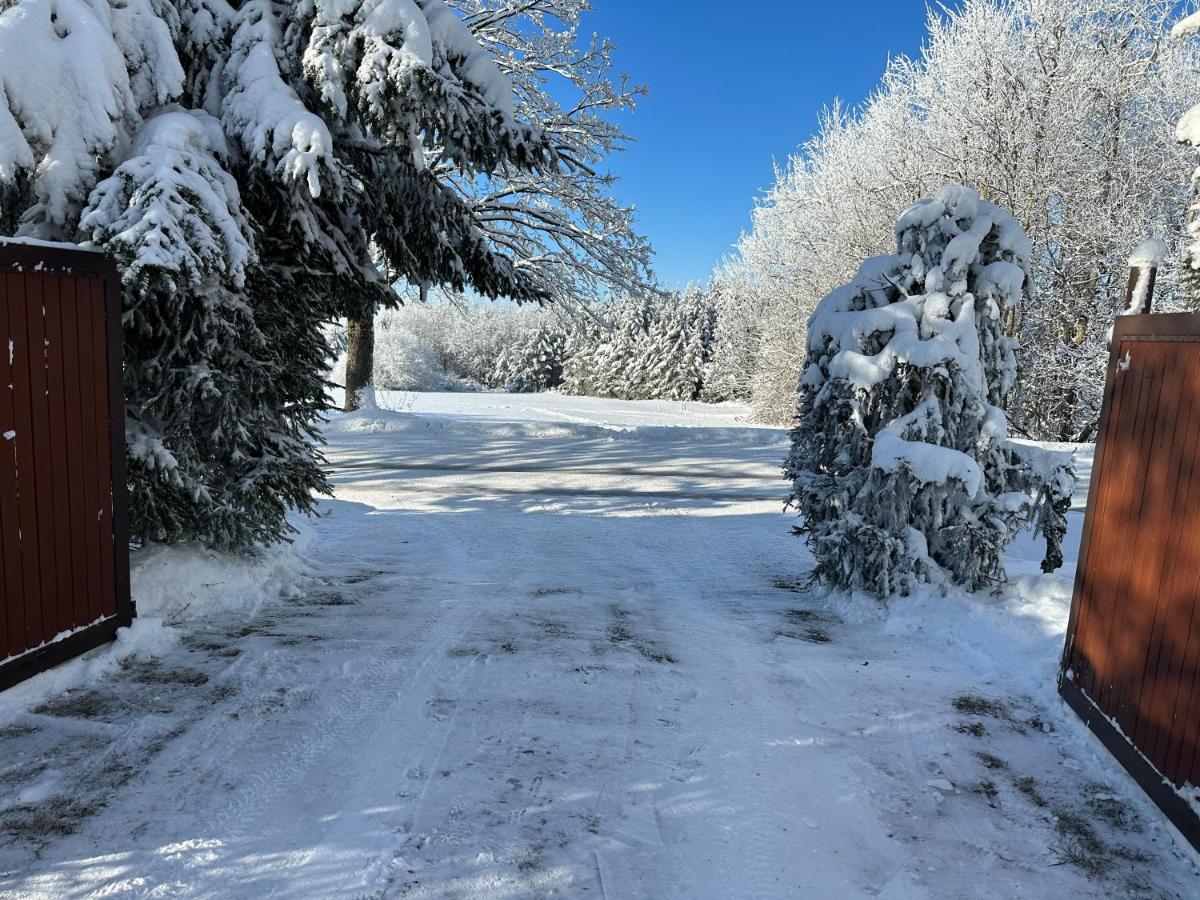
360	358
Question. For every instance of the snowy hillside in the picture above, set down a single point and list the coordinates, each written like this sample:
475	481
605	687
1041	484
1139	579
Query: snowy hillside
564	647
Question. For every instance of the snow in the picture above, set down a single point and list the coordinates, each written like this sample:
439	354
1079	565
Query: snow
263	110
146	638
1149	253
170	205
1186	27
927	463
1146	257
63	75
177	584
1139	294
476	65
558	646
171	586
35	242
1187	131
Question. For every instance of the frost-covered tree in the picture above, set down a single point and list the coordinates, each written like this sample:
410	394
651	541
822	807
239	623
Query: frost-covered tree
584	351
606	353
900	461
535	364
671	359
447	345
563	227
737	335
257	169
1058	110
647	348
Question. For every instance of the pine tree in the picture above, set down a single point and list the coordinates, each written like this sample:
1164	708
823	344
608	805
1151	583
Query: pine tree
257	171
692	349
580	371
622	357
736	336
534	365
900	462
654	349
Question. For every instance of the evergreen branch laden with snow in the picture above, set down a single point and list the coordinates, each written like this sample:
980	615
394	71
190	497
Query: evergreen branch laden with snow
257	170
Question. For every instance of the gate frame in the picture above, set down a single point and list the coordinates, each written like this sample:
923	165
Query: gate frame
1173	327
30	257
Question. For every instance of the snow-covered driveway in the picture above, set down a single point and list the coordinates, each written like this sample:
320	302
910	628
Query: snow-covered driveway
564	648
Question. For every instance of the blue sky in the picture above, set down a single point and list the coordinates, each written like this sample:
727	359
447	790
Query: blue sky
733	87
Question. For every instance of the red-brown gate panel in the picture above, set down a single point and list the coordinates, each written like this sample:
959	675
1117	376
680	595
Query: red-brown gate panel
64	552
1131	667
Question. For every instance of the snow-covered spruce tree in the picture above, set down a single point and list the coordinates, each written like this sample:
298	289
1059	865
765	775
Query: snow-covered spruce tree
736	335
580	371
656	347
604	353
900	461
536	364
257	170
205	444
673	353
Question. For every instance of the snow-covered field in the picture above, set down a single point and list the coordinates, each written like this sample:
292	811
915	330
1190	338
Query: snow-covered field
555	646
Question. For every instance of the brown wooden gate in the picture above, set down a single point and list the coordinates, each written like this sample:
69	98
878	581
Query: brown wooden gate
64	551
1132	663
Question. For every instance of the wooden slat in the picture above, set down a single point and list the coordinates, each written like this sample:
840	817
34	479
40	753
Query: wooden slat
11	581
1167	649
28	606
56	451
1124	392
1181	761
1182	764
106	588
73	421
89	444
1126	635
1135	630
1131	571
1124	613
1169	749
1107	578
44	474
